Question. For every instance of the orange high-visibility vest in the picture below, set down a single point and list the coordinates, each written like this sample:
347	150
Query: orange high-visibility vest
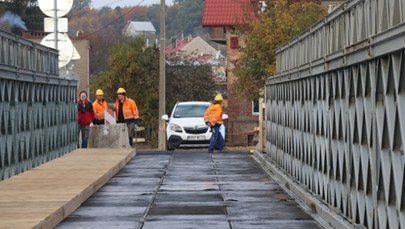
214	114
129	108
99	107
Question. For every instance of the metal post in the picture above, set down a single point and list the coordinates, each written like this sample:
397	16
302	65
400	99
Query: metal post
55	2
162	77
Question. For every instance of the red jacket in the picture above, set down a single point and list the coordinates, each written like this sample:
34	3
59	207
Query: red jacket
85	113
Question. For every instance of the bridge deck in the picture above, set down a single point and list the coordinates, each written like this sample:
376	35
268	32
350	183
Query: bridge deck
189	189
44	196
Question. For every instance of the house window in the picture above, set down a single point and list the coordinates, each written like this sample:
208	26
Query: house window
234	43
255	107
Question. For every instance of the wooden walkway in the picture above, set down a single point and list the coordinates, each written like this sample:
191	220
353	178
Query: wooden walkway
42	197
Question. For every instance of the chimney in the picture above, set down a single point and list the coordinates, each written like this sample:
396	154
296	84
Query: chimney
174	42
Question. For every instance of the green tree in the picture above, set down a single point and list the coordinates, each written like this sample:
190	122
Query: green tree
153	15
282	21
120	24
136	68
187	82
81	5
79	8
185	17
28	10
103	27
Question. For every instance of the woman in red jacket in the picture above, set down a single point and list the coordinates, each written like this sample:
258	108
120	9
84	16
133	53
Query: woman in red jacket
85	116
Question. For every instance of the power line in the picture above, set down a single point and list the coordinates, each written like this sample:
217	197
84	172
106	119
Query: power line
109	4
79	13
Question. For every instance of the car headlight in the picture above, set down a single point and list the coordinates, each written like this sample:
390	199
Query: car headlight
175	128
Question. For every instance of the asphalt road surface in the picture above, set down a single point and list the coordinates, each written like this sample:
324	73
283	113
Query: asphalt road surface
190	189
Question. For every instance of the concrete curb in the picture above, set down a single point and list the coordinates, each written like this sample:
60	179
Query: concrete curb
322	213
109	136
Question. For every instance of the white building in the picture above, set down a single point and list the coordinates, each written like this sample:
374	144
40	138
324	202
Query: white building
143	29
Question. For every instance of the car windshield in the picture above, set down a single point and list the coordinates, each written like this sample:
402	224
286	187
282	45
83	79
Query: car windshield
190	110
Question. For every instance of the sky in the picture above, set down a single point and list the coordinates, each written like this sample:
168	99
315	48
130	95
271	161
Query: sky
122	3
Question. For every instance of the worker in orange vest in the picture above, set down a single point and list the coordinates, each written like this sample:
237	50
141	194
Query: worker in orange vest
99	106
127	112
213	119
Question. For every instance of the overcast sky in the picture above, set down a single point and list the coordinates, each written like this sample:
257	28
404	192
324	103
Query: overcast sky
122	3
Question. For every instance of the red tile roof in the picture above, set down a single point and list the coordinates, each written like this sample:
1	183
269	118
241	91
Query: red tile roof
203	58
180	43
218	13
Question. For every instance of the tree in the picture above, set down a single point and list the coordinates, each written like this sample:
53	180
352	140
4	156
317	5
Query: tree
185	17
133	67
279	23
121	22
103	28
153	14
136	68
79	8
27	10
188	81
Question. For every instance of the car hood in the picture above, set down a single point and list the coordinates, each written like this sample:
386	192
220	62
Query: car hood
188	122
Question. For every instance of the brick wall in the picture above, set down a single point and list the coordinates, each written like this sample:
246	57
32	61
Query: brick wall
241	120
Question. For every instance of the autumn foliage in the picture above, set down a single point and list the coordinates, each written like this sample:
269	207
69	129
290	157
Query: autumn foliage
136	68
280	22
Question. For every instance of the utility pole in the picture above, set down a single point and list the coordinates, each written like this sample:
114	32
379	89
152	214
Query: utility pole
162	77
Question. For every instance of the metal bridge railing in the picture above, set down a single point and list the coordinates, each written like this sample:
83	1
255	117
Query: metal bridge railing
352	26
38	113
23	55
336	117
341	136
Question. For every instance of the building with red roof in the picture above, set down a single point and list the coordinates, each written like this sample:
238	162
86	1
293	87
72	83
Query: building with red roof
222	17
197	50
222	13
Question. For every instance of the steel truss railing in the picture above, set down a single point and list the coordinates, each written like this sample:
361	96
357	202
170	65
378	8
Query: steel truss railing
357	24
27	57
336	117
38	114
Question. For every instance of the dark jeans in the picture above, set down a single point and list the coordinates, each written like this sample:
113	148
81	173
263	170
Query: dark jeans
131	132
216	138
131	129
98	121
84	130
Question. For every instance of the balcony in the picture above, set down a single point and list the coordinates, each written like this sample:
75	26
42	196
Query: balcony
218	34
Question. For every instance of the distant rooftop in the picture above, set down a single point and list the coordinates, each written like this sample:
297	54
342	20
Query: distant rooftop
195	47
218	13
145	26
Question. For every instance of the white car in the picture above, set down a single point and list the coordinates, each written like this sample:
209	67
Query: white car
186	127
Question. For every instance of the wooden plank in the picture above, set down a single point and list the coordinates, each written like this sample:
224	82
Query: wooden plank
43	196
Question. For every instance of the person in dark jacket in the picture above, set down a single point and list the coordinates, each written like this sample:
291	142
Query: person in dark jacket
85	116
